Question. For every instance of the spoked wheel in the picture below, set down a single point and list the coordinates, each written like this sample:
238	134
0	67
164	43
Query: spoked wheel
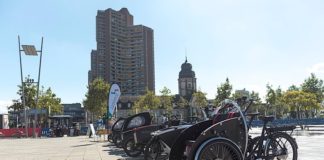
131	149
114	139
154	151
252	149
281	147
110	138
218	149
118	142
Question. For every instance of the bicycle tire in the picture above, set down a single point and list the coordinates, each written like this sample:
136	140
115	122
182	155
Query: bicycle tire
153	151
278	147
218	149
110	139
130	148
251	154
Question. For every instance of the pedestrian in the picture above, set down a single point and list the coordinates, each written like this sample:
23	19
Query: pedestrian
165	120
90	130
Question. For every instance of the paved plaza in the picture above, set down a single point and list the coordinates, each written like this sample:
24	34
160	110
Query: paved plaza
82	148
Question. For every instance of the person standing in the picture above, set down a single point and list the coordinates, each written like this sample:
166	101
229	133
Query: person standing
90	134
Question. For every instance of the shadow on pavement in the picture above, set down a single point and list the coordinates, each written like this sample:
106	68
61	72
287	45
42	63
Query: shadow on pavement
130	158
82	145
108	145
113	150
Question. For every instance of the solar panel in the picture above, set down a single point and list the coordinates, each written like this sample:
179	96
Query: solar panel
29	50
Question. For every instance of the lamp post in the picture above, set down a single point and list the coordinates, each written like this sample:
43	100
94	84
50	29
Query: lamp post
30	50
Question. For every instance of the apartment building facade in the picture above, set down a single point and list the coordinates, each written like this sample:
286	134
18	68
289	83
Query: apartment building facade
124	54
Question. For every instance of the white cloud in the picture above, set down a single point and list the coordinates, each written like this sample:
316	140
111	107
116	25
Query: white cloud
317	68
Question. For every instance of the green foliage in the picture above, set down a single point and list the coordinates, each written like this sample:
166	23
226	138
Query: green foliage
256	106
96	97
48	100
166	99
200	99
298	100
30	91
223	92
146	102
270	95
256	98
280	107
293	88
275	105
16	106
314	85
182	102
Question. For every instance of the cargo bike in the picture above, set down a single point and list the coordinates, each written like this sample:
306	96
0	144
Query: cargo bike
139	124
134	140
123	127
224	137
114	137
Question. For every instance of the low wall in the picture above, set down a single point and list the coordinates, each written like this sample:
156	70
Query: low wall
19	132
306	121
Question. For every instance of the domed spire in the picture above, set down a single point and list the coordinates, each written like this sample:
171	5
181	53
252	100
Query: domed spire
186	70
187	80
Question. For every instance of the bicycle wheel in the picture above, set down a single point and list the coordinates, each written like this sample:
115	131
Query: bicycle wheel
218	149
119	142
252	150
282	147
114	139
110	139
154	151
130	147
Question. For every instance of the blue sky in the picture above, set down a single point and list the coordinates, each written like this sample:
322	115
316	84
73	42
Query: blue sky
251	42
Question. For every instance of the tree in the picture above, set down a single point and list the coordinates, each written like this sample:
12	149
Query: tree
46	99
29	94
16	106
255	107
146	102
96	97
256	98
270	98
314	85
49	101
300	100
200	99
279	106
166	99
182	102
293	88
223	92
274	103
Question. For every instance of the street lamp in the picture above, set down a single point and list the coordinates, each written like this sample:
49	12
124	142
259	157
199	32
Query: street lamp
30	50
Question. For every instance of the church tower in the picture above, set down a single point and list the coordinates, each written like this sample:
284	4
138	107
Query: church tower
187	81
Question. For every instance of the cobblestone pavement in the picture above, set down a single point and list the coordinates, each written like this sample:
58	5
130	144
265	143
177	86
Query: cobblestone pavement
77	148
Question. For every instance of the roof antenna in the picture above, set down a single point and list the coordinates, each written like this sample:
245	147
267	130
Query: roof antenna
186	55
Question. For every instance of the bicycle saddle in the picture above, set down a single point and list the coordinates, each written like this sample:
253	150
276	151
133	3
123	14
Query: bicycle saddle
268	118
253	114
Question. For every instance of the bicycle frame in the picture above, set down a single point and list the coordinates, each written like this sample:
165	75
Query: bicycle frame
266	136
